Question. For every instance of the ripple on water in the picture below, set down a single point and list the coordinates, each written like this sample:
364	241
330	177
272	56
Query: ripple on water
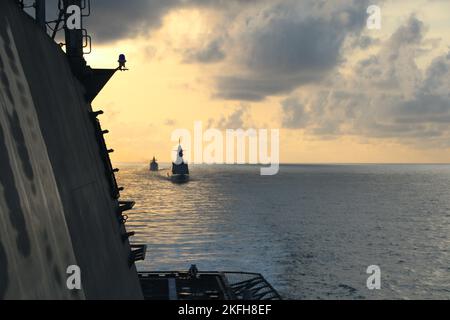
311	230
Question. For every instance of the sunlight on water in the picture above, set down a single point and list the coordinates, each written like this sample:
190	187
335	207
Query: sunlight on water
311	230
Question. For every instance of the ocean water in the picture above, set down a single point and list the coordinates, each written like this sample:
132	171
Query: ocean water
312	231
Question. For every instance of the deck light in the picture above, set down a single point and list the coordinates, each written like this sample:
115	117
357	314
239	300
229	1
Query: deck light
122	62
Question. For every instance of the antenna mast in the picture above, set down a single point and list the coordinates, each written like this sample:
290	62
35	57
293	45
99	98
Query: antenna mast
74	39
39	6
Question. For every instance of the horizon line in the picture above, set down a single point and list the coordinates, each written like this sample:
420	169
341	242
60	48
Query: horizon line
297	163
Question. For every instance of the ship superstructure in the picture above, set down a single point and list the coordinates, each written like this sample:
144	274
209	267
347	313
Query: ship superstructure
154	166
180	169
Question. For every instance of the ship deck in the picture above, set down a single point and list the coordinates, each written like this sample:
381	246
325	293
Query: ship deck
206	286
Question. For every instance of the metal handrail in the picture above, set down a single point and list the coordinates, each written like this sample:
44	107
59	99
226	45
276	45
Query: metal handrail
254	288
109	169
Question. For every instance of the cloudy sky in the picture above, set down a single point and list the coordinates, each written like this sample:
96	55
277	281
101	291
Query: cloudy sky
338	91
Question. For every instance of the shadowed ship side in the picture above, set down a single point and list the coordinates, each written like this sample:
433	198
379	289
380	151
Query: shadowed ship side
58	203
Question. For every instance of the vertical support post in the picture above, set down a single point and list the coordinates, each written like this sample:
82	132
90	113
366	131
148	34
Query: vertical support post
74	37
40	14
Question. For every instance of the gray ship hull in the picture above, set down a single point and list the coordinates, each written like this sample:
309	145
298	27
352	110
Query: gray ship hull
56	205
179	178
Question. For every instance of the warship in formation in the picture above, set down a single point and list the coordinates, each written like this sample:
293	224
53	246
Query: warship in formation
60	202
154	166
180	169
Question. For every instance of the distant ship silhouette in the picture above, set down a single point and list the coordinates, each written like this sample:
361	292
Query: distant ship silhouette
180	169
154	165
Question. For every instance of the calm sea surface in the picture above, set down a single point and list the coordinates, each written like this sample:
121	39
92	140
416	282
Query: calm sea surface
312	231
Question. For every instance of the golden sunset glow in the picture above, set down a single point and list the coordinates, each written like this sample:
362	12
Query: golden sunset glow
164	91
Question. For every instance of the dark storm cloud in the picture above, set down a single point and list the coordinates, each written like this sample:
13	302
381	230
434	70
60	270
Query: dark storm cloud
365	42
236	120
295	113
390	97
395	65
257	87
117	19
113	20
290	44
211	53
